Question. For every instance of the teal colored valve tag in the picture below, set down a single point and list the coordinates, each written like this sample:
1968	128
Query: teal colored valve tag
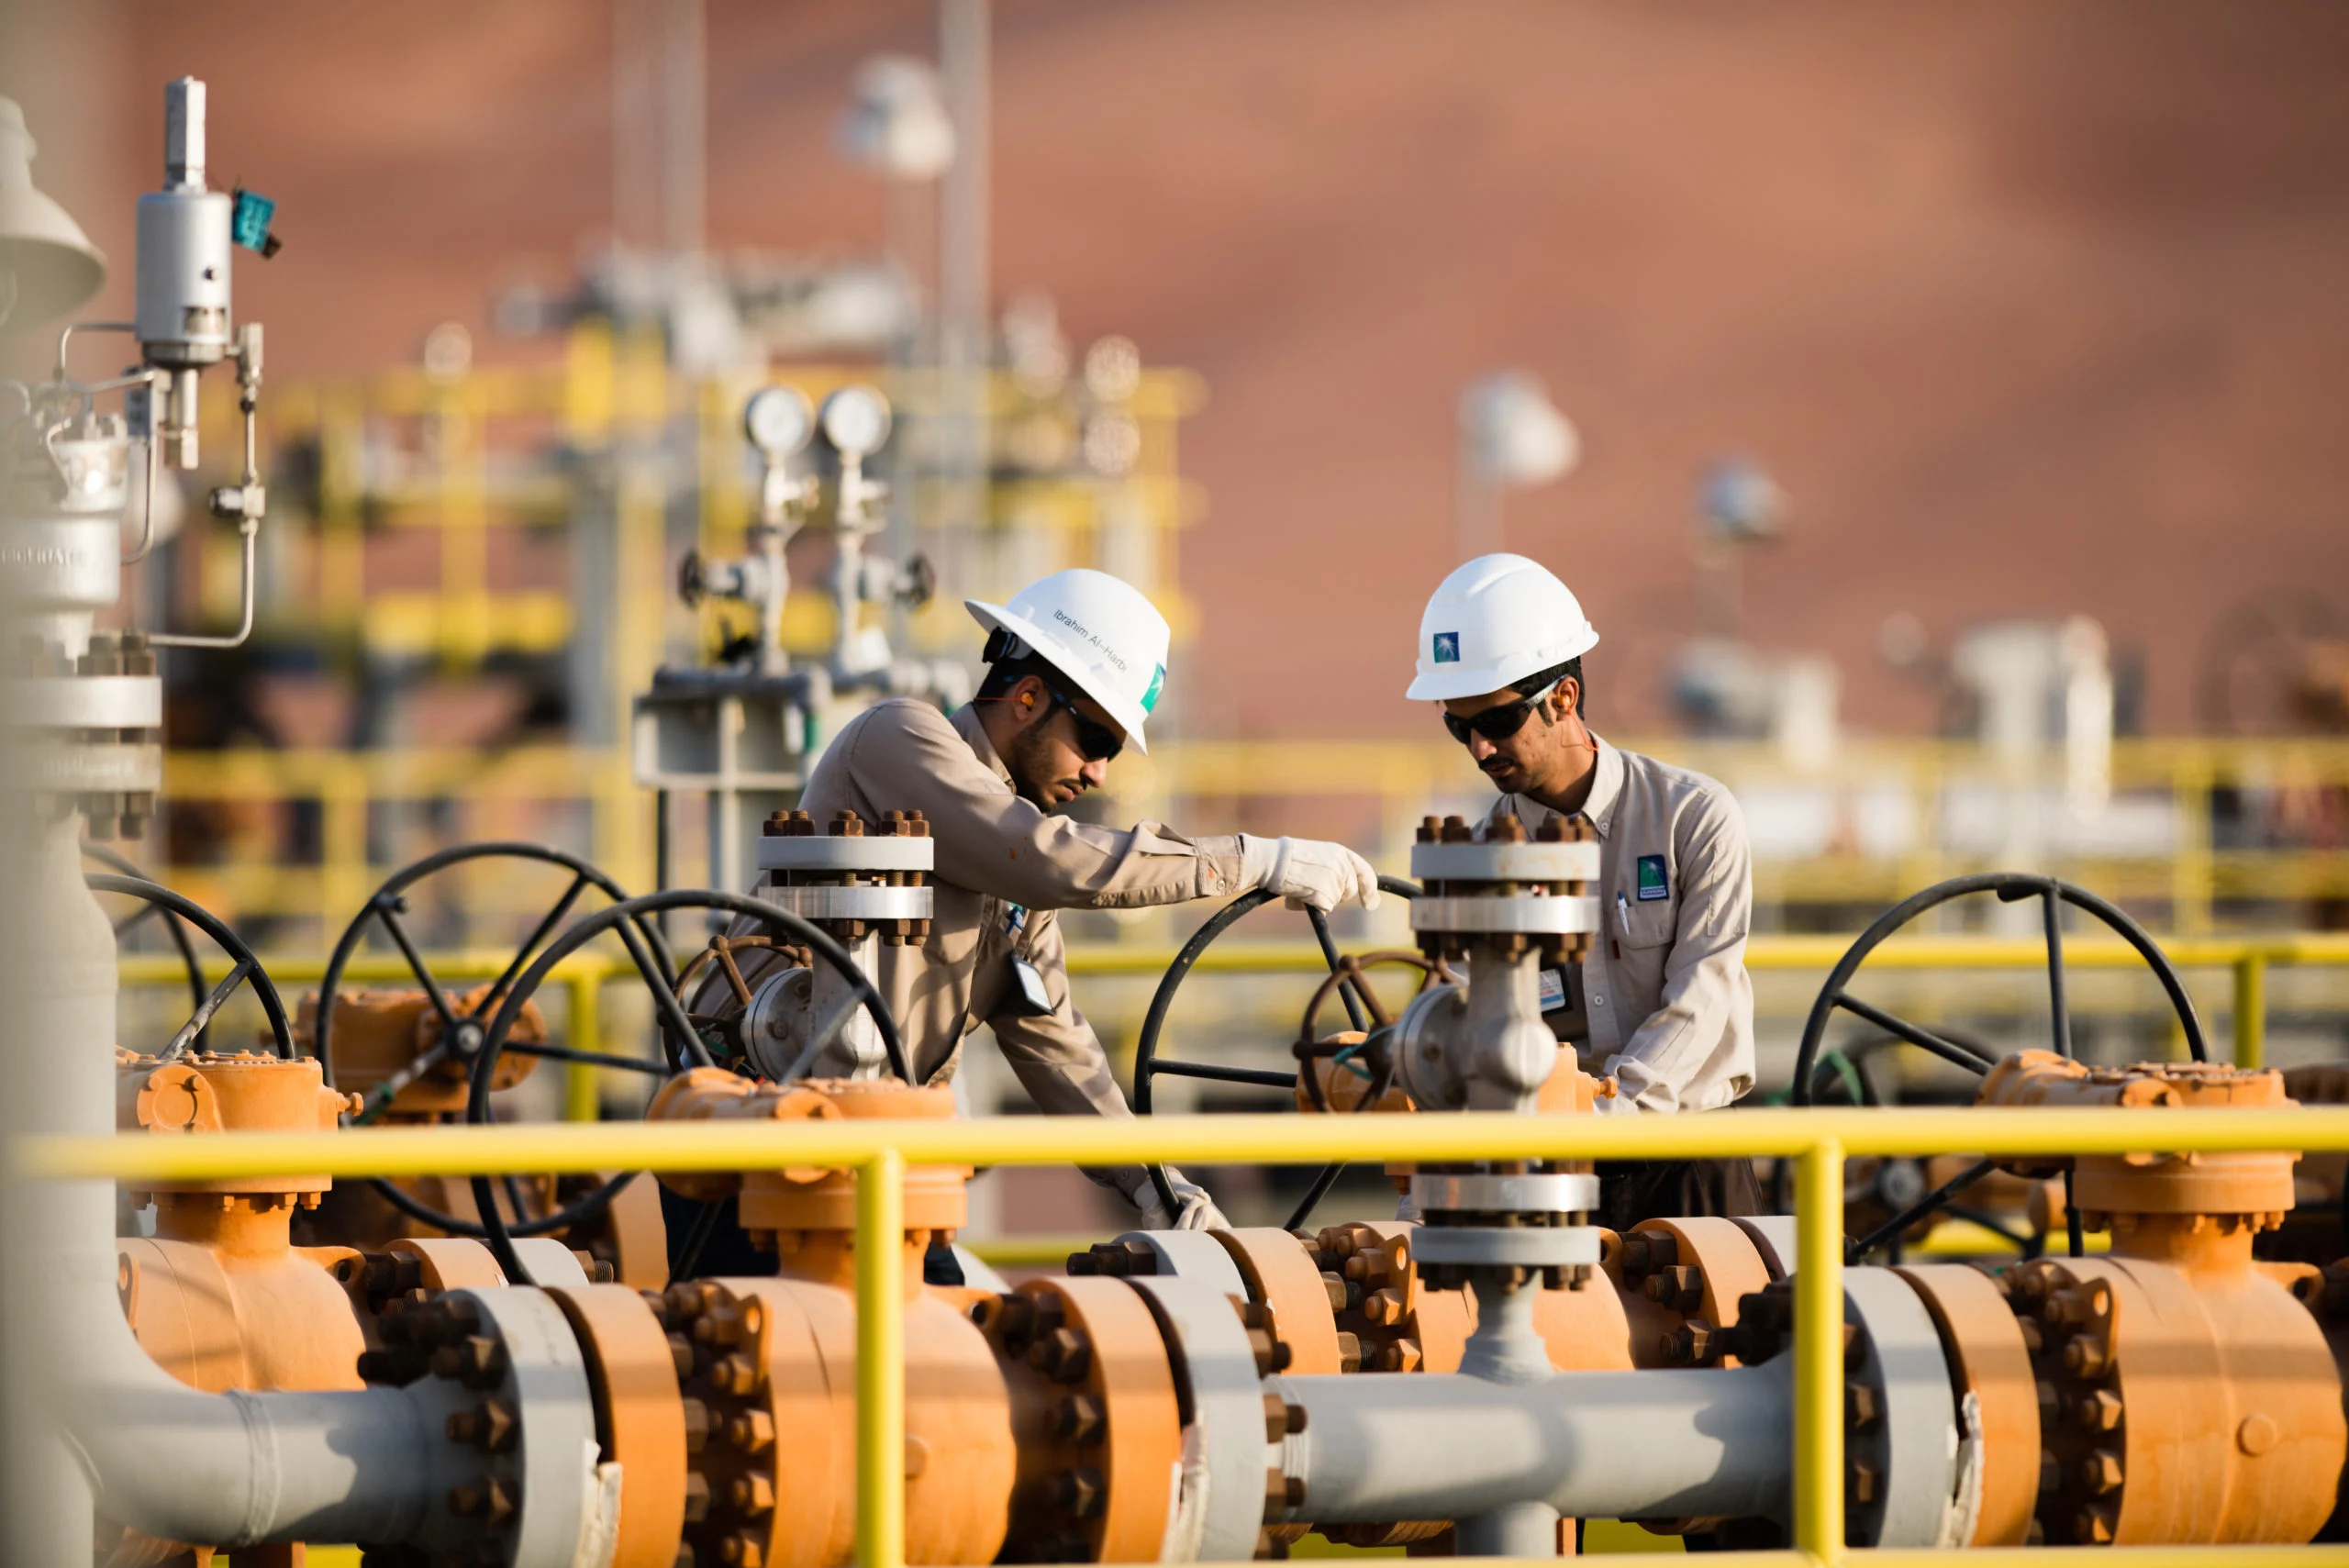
248	221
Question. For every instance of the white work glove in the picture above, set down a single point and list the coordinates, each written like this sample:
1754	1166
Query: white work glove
1194	1209
1309	873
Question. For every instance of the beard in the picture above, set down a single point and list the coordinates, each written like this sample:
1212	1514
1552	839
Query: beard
1031	767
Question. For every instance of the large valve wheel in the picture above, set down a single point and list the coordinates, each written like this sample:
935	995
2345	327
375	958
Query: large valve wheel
683	1037
247	965
1149	1065
123	865
461	1017
2009	887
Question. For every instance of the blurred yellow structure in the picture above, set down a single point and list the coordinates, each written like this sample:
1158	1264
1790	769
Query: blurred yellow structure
2175	785
409	546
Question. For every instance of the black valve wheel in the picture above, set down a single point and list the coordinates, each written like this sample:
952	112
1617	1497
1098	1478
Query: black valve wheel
683	1041
2008	887
245	967
1149	1065
117	862
464	1029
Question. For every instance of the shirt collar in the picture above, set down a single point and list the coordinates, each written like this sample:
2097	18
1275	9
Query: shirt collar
1606	786
966	720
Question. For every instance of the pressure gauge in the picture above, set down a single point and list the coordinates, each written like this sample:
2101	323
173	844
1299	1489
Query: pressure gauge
778	421
856	420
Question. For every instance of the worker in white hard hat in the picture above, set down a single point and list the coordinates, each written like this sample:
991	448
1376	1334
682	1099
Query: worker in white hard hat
1076	663
1662	1004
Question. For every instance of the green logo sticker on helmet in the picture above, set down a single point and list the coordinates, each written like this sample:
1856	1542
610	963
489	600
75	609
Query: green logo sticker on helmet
1447	648
1150	697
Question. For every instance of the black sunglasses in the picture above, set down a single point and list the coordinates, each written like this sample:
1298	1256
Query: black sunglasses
1097	742
1496	723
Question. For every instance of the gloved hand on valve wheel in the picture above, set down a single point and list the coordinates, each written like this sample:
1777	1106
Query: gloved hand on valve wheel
1309	873
1194	1209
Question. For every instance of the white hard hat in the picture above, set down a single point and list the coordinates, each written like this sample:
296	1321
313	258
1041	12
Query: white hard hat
1098	631
1492	623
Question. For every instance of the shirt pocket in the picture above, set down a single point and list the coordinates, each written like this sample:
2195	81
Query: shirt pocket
1641	936
1649	925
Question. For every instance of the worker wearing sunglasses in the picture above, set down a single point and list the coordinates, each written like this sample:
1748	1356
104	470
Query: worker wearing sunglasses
1662	1004
1076	665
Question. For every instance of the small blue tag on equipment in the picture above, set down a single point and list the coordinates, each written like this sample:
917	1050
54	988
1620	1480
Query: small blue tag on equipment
248	219
1654	885
1553	990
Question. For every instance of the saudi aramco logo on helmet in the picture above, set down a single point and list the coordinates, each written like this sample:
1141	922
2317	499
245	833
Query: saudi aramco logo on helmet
1447	648
1157	684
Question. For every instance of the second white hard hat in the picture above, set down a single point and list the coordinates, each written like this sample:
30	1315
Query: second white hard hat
1493	622
1097	630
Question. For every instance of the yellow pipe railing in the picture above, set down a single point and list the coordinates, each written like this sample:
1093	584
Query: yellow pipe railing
1819	1139
583	975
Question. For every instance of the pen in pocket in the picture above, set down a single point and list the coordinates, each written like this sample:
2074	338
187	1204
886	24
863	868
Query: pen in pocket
1622	924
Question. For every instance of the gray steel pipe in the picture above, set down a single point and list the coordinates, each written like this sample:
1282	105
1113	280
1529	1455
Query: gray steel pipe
155	1455
1585	1444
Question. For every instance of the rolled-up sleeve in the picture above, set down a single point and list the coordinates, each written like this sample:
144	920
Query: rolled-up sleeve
1705	983
993	840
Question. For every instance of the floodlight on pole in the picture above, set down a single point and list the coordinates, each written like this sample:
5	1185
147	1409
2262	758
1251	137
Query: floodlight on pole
898	126
1510	436
48	266
1739	506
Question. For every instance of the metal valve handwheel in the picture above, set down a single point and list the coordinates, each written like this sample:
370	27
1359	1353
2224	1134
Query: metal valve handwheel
2009	887
117	862
1148	1065
1375	1049
681	1037
462	1029
247	966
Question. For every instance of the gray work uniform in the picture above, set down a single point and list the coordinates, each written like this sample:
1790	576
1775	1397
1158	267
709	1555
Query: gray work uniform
1003	867
1666	1008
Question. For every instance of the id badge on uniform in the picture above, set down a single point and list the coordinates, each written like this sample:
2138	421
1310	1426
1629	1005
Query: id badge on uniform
1027	981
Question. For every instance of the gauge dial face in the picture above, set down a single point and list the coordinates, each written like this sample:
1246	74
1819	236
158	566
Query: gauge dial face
778	421
856	420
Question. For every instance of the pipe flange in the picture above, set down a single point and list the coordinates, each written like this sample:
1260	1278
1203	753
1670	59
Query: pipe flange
1528	1247
1501	861
1402	1322
855	902
1900	1417
1096	1418
853	883
860	852
520	1476
1162	1254
1550	1192
1698	1270
1561	914
1281	1272
1488	886
1988	1351
644	1424
1232	1427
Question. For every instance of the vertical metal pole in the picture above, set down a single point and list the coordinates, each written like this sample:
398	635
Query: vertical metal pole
2251	1011
582	1084
684	126
881	1362
962	255
1819	1351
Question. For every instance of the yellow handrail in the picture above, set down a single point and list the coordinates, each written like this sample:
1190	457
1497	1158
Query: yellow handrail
584	974
1819	1140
